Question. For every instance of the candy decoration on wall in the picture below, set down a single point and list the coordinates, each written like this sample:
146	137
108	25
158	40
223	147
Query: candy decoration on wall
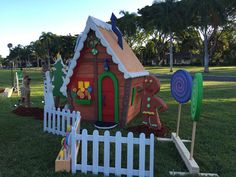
90	89
91	43
196	104
181	89
82	94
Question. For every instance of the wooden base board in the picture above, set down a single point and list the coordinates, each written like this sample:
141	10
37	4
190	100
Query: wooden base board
170	140
7	92
174	173
184	153
62	165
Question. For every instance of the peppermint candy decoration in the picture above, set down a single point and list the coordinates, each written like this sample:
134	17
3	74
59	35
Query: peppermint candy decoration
181	86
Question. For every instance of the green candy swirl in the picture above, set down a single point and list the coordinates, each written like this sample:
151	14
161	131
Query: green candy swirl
196	98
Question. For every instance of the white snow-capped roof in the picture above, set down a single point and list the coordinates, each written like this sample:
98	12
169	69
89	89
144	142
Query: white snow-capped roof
103	31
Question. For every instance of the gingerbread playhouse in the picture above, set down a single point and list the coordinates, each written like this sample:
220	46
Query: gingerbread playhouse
104	75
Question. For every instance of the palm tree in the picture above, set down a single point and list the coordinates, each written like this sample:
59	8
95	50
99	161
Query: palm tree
46	42
128	26
10	46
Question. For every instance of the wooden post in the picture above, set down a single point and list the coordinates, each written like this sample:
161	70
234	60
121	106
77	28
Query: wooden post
178	121
184	153
193	139
17	84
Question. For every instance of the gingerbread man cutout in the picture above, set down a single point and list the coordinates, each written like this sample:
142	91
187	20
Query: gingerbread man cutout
151	104
25	92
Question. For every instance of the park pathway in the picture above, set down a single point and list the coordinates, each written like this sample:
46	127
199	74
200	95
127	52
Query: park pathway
206	78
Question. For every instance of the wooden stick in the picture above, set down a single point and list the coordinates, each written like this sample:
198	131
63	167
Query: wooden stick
193	139
178	121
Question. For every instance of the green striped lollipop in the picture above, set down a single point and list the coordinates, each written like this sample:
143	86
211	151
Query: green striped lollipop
196	98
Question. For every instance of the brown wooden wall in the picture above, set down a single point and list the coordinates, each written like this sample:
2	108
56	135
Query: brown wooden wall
134	109
90	66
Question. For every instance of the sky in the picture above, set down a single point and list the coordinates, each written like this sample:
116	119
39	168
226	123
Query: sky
23	21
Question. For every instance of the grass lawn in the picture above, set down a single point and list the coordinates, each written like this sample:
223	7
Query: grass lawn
25	150
219	71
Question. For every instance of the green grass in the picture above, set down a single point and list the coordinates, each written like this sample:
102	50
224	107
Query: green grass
219	71
25	150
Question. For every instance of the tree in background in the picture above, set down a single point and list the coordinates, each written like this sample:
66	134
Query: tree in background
43	50
163	19
1	61
188	43
47	44
166	28
128	25
207	16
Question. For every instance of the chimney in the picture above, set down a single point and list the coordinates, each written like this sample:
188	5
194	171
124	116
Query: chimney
116	30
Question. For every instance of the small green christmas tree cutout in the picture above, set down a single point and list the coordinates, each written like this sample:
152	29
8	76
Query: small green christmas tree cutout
59	74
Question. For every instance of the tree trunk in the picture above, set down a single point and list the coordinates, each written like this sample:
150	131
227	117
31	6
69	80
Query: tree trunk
206	55
49	62
37	62
171	52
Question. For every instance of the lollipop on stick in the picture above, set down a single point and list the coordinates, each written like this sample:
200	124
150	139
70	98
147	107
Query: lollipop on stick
181	88
196	104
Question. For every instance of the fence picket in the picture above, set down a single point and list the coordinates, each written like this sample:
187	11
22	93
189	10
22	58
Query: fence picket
45	119
84	150
68	116
58	110
58	122
74	115
118	153
49	121
151	159
73	151
53	121
106	153
63	120
141	155
130	149
95	152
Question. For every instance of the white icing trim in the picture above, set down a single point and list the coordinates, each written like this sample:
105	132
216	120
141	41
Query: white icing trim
94	23
139	74
59	60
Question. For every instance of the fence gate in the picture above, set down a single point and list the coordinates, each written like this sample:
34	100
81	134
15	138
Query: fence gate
95	144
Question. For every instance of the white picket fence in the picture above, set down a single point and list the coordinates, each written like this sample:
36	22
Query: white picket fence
106	140
56	121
